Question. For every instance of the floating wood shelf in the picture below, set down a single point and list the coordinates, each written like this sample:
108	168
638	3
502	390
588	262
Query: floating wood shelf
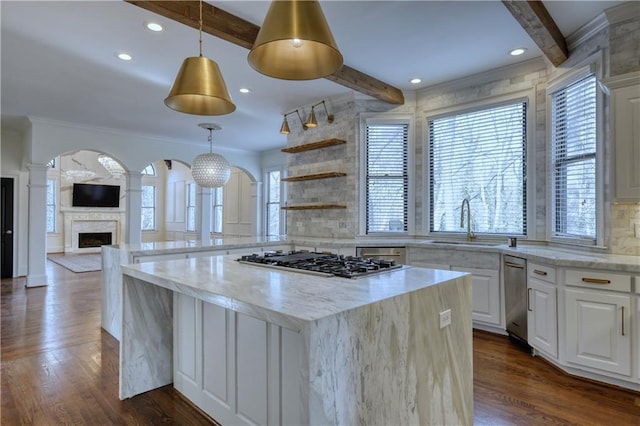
314	145
313	176
315	207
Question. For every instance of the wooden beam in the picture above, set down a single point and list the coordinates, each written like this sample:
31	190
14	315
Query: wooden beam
243	33
536	21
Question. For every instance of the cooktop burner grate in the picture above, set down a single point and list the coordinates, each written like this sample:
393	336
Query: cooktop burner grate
323	264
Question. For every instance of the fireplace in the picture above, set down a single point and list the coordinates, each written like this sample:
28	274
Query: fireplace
93	239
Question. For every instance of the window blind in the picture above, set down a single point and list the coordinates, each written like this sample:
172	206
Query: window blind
387	177
573	135
479	155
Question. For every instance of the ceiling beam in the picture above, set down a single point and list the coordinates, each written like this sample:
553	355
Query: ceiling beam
243	33
536	21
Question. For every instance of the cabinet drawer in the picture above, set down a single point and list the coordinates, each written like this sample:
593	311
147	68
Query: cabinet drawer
599	280
541	272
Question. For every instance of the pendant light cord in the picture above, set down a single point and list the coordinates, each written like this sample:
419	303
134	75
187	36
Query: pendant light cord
200	23
210	141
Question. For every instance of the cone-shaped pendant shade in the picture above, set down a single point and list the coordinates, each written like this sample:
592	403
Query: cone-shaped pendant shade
200	89
295	43
311	121
285	127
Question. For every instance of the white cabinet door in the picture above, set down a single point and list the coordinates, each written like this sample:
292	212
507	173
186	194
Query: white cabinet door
542	317
485	285
238	369
598	330
625	107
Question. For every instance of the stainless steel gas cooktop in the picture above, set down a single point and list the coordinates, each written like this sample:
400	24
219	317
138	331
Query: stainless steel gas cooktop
323	264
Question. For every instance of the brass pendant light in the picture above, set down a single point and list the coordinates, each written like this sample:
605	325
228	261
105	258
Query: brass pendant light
295	42
199	87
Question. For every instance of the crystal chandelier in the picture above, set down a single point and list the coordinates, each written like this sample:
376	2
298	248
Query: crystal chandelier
111	165
210	170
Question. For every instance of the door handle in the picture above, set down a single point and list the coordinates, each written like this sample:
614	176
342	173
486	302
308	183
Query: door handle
8	232
529	300
623	320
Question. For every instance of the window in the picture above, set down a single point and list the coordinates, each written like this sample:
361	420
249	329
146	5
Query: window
216	209
51	205
573	140
191	207
479	155
149	170
386	176
148	208
275	222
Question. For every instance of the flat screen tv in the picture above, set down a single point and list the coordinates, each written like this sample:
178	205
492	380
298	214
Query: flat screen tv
89	195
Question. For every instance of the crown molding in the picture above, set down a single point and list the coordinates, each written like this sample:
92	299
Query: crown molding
587	31
508	71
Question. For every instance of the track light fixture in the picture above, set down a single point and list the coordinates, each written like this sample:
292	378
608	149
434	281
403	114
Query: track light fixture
284	129
312	122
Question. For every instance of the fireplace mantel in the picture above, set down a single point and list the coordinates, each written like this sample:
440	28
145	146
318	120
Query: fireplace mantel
76	222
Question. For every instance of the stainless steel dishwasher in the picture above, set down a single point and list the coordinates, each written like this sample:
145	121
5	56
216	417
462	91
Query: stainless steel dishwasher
515	296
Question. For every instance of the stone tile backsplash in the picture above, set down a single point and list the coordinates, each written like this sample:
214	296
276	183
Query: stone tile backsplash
623	220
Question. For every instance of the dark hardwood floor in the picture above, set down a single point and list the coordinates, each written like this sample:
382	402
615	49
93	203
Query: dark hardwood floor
59	367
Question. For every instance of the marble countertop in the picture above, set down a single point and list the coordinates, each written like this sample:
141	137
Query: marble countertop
543	253
289	299
227	242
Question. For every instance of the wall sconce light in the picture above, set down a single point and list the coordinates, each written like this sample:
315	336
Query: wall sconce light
284	129
312	122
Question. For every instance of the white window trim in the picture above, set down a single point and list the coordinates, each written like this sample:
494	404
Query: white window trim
591	65
528	96
386	118
283	198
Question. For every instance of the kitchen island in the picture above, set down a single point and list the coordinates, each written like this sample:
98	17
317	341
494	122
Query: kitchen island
253	345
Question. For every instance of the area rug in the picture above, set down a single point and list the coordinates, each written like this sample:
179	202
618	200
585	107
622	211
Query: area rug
79	262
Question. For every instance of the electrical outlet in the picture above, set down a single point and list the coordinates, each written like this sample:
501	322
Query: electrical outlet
445	318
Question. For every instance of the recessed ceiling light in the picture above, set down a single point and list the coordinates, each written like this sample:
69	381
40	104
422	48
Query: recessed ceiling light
154	26
415	81
245	90
124	56
517	51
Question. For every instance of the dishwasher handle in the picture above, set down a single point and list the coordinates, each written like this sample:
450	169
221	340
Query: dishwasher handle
513	265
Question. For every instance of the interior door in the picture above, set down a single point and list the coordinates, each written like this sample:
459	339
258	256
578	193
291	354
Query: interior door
6	227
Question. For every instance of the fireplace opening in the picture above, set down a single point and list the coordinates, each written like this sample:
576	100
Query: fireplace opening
94	239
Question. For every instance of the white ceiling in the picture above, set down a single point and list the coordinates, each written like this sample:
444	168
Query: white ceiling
59	60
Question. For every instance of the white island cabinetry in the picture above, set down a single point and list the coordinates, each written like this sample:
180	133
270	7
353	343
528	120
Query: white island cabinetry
257	346
236	368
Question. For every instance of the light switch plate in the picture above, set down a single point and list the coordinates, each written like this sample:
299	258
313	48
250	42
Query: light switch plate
636	230
445	318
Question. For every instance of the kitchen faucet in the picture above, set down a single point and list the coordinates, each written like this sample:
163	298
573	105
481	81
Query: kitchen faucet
470	234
